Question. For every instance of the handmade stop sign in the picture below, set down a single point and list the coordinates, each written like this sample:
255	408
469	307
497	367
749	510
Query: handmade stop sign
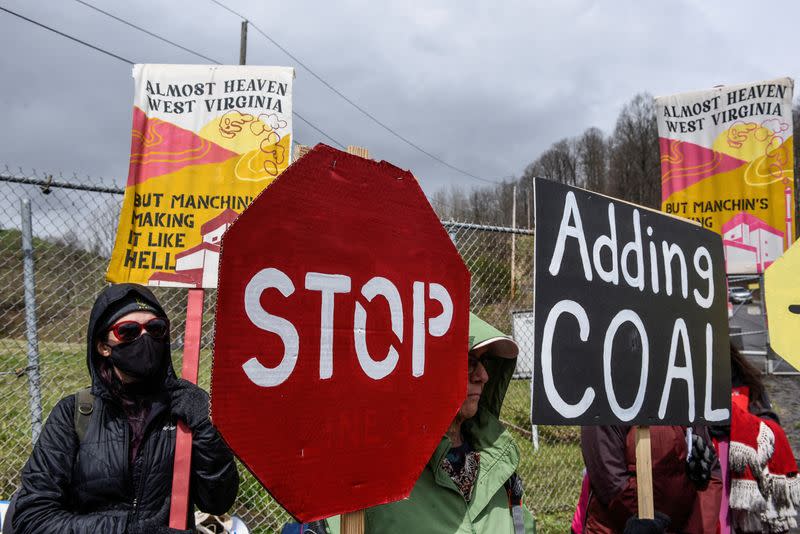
341	335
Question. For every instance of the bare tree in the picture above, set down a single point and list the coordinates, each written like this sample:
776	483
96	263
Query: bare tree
70	239
441	205
635	168
558	163
567	154
459	201
103	230
592	150
627	166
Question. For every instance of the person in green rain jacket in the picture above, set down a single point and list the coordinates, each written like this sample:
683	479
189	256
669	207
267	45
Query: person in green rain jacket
470	483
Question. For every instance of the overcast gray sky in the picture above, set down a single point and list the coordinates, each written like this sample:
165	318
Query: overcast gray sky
486	86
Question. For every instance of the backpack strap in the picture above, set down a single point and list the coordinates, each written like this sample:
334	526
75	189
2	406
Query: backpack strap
84	406
514	490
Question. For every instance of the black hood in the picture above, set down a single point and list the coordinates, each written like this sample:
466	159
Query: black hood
105	301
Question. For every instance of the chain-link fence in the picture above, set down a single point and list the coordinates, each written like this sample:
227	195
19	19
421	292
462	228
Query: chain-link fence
73	229
748	323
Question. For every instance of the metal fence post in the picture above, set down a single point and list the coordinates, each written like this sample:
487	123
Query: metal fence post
770	363
34	389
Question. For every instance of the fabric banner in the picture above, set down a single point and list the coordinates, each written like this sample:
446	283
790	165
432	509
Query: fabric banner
727	162
205	141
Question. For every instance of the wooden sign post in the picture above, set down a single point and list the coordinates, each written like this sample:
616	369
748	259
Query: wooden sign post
353	522
644	473
179	504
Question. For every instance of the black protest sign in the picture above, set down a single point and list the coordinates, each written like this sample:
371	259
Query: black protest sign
630	314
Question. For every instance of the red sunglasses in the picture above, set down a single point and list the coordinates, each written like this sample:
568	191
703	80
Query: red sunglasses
126	331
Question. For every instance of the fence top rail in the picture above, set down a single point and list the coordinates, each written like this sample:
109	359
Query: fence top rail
487	228
48	183
743	277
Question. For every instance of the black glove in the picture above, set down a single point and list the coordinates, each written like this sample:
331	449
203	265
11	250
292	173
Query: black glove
720	431
648	526
703	457
190	403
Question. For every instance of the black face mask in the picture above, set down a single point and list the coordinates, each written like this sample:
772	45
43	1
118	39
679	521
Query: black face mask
141	359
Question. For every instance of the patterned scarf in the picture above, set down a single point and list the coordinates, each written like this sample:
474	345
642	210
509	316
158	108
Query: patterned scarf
461	464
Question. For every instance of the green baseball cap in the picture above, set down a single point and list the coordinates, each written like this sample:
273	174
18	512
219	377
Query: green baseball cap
482	334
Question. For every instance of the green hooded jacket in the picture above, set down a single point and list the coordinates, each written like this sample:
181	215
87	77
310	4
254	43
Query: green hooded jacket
435	505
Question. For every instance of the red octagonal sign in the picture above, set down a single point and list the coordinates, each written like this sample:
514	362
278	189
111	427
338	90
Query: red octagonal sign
341	335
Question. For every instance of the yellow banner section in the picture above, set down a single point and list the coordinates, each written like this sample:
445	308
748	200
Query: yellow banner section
751	206
727	162
197	161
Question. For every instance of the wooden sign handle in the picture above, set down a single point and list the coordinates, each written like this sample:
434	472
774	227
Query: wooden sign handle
179	503
353	522
358	151
644	473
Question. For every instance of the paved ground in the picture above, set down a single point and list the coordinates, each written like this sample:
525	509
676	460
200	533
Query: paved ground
747	319
784	391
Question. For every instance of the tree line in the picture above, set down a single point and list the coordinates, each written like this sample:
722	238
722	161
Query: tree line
625	165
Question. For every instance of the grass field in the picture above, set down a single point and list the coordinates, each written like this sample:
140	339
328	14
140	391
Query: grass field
552	475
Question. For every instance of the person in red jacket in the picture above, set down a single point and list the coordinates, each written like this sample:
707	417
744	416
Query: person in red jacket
686	495
765	487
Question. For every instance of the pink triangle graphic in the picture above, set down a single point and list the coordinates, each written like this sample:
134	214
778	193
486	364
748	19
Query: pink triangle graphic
159	147
684	164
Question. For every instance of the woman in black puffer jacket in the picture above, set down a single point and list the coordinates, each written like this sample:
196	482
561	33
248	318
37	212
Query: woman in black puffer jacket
118	478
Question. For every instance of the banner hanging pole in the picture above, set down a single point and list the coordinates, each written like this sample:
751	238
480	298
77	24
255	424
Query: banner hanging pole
763	307
644	473
179	505
243	44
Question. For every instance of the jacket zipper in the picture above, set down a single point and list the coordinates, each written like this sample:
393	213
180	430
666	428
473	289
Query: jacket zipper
139	462
127	441
134	477
137	476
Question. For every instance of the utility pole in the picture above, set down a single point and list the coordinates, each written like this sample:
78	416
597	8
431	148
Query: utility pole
528	206
532	223
243	44
513	238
